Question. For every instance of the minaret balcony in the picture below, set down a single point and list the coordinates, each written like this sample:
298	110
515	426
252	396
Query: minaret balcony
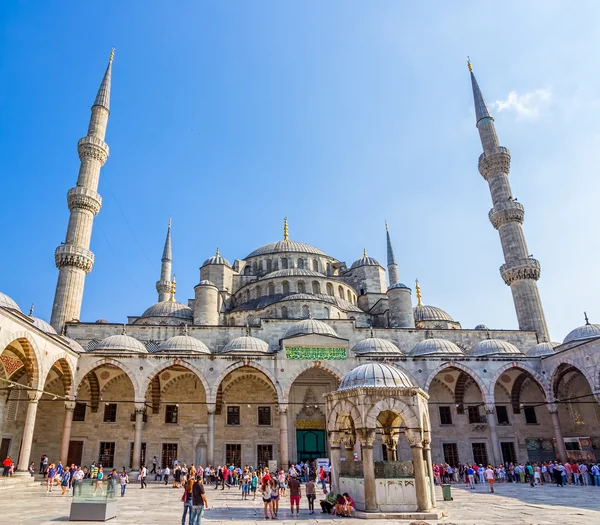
520	269
509	211
69	255
93	147
494	161
84	198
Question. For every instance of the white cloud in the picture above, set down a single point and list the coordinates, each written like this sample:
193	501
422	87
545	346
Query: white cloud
526	105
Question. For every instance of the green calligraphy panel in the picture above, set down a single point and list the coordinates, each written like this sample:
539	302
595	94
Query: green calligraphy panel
315	353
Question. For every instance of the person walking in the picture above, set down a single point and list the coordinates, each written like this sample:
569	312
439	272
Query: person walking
266	497
558	474
275	496
489	476
323	478
142	477
50	477
123	480
295	494
188	498
254	484
470	477
154	463
64	483
311	494
99	480
199	501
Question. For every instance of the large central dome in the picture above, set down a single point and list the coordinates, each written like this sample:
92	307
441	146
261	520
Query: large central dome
285	246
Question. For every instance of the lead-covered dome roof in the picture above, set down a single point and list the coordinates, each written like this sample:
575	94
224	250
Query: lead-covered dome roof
42	325
435	347
285	246
310	326
246	345
430	313
75	346
489	347
581	333
120	343
365	261
216	259
183	343
170	309
375	345
376	375
7	302
542	349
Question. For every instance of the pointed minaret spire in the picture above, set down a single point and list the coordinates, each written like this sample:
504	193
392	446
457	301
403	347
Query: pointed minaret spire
163	287
520	271
73	257
391	259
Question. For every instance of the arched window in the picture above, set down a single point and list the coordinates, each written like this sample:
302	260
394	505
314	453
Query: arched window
341	292
247	270
316	287
315	265
328	268
271	289
305	311
284	263
275	265
269	265
286	287
301	264
260	266
255	267
250	320
329	289
258	292
301	287
284	312
326	313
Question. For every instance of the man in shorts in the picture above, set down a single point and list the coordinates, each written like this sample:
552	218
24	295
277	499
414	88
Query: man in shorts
295	493
489	476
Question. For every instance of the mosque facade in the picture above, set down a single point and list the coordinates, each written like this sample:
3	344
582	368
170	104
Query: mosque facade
239	373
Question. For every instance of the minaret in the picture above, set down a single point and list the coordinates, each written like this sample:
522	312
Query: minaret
391	259
73	257
520	270
163	287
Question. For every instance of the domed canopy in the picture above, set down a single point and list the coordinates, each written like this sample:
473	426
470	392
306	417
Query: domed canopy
542	349
310	326
435	347
183	343
246	345
375	345
375	375
42	325
481	327
170	309
489	347
285	246
7	302
430	313
587	331
120	343
365	261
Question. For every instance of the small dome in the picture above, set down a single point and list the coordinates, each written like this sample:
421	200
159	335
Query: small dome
246	344
101	321
375	345
587	331
216	259
170	309
183	343
489	347
399	286
435	347
206	282
7	302
120	343
365	261
42	325
375	375
75	346
310	326
481	327
542	349
430	313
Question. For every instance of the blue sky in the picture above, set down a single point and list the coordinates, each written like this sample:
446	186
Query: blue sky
229	116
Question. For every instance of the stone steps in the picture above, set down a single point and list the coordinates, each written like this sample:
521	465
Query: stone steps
18	482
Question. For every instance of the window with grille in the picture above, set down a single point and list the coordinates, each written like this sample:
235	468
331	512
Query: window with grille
284	263
451	454
315	265
151	346
171	414
305	311
233	454
106	457
79	412
271	289
233	415
263	454
301	264
445	416
110	413
169	454
316	287
474	415
480	455
264	416
284	312
92	344
142	455
301	287
530	415
269	265
509	453
286	287
502	415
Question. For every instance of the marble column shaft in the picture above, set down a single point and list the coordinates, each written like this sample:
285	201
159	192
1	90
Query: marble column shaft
137	438
496	453
283	438
560	442
28	429
423	502
210	441
66	434
369	477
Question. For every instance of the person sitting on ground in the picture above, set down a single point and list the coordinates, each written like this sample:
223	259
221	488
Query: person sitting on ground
350	504
340	506
328	503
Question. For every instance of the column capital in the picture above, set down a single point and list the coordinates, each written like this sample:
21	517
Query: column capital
211	408
366	436
335	438
489	408
140	407
415	439
33	396
282	408
552	407
70	405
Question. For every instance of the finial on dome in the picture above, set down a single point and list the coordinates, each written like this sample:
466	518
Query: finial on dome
587	321
371	333
218	253
364	252
31	309
124	331
286	231
469	64
418	293
247	328
173	283
185	329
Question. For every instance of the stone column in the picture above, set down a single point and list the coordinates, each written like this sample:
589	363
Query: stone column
560	442
32	407
140	408
491	420
429	465
349	448
423	502
283	437
334	451
2	407
66	435
210	438
367	437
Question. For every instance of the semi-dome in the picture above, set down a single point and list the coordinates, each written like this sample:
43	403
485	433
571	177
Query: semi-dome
285	246
481	327
42	325
489	347
365	261
581	333
376	375
435	347
310	326
120	343
170	309
375	345
542	349
246	345
430	313
216	259
183	343
7	302
75	346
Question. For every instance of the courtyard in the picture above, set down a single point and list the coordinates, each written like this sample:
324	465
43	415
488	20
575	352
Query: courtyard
512	504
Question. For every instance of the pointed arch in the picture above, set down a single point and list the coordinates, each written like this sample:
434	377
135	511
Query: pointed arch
164	365
211	395
563	367
458	366
340	412
319	365
63	370
23	345
391	404
108	361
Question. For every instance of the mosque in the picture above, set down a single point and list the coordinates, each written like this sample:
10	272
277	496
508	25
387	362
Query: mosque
250	368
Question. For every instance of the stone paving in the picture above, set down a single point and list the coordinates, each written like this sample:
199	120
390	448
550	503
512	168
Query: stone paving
511	505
